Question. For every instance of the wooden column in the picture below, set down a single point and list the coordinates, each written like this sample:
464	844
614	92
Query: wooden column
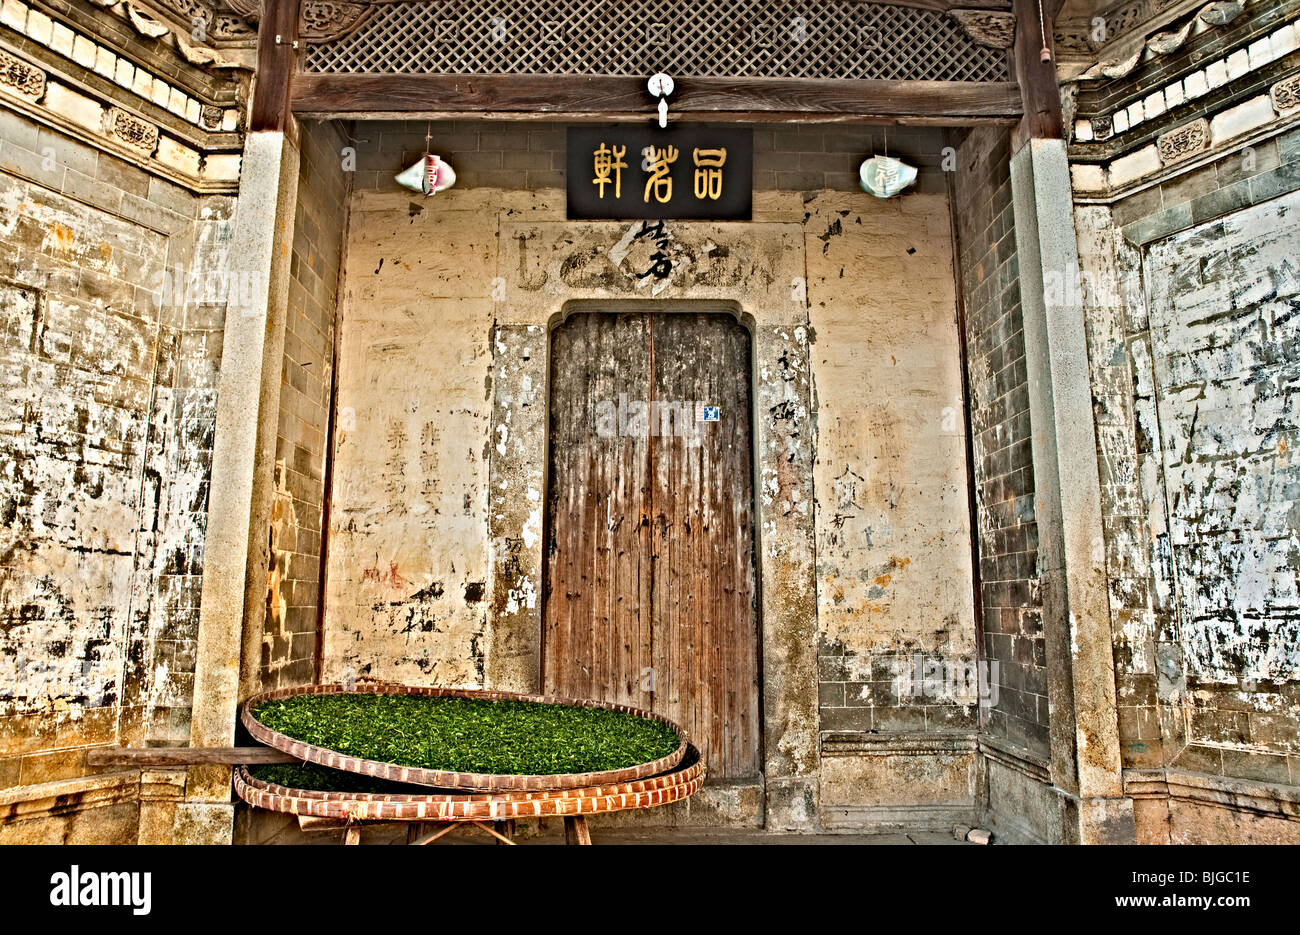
277	35
1037	79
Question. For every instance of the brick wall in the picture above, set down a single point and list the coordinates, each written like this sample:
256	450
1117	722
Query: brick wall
1004	472
290	642
109	356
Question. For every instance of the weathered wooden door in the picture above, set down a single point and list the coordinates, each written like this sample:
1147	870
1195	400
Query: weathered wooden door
650	594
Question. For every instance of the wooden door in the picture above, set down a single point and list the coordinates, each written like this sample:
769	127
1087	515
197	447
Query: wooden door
649	589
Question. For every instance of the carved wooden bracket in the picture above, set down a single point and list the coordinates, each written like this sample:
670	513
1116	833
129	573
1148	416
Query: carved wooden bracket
991	28
248	9
326	20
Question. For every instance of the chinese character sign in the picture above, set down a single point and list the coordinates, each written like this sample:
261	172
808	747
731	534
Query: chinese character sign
685	172
708	172
660	160
604	161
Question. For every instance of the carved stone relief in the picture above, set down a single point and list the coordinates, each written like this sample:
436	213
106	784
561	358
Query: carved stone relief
21	77
1182	142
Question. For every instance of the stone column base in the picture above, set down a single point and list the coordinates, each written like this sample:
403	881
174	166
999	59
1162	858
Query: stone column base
792	804
203	823
1096	820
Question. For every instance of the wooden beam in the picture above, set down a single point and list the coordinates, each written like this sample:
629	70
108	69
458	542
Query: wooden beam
1037	78
276	35
371	95
151	757
943	6
314	823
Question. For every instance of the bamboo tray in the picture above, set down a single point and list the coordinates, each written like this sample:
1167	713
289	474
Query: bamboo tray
681	783
442	779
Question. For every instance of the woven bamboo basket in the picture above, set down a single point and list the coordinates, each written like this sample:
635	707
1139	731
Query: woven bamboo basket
681	783
442	779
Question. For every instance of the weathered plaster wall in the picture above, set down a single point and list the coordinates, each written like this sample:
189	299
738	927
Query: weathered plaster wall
1186	219
434	571
408	553
120	154
289	644
893	546
110	353
896	633
1223	302
1190	346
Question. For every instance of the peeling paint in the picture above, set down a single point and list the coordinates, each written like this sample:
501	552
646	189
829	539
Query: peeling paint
105	429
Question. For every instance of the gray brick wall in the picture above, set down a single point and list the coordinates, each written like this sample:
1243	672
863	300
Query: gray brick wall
290	639
1004	472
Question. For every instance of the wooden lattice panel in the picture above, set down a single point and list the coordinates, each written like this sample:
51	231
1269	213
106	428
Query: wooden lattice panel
710	38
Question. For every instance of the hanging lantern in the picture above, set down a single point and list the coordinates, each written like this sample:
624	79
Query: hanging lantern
885	176
430	175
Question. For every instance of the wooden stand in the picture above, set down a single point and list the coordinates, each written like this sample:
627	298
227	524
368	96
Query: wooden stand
431	815
426	832
576	830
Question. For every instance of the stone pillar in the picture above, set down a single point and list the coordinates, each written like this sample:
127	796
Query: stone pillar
248	400
1085	758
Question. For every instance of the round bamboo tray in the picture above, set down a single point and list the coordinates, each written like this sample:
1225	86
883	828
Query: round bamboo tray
443	779
681	783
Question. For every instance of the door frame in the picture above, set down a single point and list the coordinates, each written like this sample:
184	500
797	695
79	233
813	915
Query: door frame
757	272
662	307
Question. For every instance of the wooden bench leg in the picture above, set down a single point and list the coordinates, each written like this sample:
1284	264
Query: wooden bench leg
430	838
352	834
576	830
484	826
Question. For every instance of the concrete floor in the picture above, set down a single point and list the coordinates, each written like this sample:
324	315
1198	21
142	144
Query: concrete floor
732	837
552	834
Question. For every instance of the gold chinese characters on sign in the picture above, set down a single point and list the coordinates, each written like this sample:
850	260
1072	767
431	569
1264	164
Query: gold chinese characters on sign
608	164
708	172
687	172
608	160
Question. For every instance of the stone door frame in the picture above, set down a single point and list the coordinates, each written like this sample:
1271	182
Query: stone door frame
755	271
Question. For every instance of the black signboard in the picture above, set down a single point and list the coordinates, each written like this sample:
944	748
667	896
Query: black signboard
685	172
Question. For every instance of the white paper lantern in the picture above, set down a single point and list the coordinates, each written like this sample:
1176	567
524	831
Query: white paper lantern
430	175
885	176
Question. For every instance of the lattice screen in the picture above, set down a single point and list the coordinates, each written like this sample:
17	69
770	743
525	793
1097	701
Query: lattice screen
708	38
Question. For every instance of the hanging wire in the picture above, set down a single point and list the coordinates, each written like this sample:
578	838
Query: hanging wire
1045	54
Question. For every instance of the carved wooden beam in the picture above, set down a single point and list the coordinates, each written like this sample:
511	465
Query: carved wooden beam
331	20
